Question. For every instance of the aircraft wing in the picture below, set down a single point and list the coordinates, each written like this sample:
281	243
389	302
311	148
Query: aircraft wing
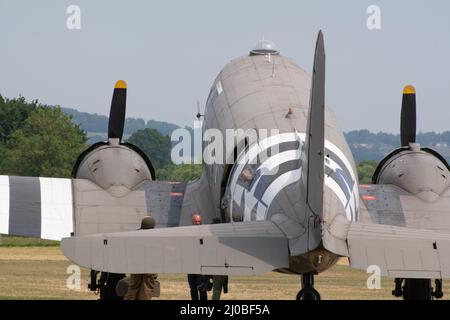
243	248
403	235
101	211
54	208
391	205
36	207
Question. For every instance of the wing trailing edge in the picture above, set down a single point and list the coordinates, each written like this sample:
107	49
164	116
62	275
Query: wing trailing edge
400	252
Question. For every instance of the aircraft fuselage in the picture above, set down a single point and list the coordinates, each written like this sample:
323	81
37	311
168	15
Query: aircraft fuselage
270	93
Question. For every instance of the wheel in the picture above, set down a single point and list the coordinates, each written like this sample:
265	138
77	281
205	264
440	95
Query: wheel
308	294
417	289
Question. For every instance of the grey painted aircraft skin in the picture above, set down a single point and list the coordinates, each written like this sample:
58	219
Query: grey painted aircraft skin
297	211
268	91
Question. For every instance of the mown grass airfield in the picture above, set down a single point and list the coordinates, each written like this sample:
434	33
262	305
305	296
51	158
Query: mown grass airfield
41	273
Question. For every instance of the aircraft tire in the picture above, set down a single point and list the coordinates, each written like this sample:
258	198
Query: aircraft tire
308	294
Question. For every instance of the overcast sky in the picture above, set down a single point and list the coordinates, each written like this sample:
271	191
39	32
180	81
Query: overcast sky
169	52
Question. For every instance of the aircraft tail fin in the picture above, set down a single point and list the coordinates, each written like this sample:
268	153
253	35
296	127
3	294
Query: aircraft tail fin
313	170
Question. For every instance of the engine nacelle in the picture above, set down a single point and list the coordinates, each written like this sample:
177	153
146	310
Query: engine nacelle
420	171
115	167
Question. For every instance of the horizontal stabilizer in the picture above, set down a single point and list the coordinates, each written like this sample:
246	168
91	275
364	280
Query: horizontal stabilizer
400	252
244	248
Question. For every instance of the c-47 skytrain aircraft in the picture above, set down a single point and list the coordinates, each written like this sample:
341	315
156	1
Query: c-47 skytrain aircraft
296	212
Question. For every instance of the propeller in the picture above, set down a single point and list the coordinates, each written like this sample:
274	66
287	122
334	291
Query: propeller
117	112
408	116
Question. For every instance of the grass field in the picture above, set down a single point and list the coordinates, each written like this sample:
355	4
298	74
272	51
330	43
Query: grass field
40	273
12	241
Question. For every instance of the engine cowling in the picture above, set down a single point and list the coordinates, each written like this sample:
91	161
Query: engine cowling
114	166
420	171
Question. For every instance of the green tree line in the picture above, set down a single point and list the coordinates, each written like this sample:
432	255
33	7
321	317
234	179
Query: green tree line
98	123
365	145
41	140
37	139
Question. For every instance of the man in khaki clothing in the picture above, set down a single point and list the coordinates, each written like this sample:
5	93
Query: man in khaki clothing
141	286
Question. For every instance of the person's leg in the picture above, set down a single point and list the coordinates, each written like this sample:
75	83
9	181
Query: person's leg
201	286
148	284
217	287
133	287
203	295
192	280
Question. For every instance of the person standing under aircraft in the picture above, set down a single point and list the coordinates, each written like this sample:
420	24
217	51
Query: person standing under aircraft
197	282
141	286
219	282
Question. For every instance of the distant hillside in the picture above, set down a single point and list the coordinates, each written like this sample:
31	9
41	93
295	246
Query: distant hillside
97	125
366	145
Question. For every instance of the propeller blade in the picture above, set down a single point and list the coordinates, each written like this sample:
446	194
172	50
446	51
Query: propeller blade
408	116
117	112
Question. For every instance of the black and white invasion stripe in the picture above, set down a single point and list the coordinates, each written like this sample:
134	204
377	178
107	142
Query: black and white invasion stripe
36	207
251	200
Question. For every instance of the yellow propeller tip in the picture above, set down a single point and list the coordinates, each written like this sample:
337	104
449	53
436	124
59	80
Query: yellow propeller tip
120	85
409	90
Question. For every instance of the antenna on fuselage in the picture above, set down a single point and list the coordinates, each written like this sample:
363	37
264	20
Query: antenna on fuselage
199	115
273	68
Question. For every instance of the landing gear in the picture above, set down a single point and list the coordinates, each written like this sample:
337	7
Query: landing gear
417	289
308	292
106	285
